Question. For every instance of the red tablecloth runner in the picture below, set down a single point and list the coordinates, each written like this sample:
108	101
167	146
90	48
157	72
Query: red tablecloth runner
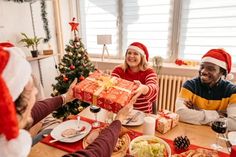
71	147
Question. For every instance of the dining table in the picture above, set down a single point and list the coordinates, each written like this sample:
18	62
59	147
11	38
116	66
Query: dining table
199	135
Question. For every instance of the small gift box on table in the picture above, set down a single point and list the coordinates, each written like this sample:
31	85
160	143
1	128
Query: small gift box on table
166	120
110	93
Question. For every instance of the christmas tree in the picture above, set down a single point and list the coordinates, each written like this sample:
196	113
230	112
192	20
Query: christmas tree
74	64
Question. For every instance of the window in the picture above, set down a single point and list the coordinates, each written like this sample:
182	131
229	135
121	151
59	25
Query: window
207	24
186	28
148	22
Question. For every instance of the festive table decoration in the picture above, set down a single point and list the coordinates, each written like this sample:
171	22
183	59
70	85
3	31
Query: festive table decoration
103	90
166	120
181	142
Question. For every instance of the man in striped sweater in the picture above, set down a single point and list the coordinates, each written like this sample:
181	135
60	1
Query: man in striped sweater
209	96
135	68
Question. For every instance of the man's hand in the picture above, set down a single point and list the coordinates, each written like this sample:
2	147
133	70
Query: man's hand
69	96
190	105
124	112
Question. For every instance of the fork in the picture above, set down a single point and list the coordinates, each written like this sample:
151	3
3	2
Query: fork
133	117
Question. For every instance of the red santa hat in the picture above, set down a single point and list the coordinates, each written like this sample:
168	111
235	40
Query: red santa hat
140	48
15	73
219	57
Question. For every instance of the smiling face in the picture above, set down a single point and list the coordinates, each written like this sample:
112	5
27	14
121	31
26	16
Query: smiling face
133	59
210	73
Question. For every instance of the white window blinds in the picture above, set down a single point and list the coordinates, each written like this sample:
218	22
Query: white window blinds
99	17
207	24
149	22
146	21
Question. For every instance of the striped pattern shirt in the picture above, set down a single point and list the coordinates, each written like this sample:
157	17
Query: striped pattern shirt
148	78
208	100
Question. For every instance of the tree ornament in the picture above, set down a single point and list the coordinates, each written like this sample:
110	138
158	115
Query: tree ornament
70	53
65	79
72	67
81	78
181	143
74	25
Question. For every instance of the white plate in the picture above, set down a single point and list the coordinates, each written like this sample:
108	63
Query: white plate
232	137
140	119
57	131
148	137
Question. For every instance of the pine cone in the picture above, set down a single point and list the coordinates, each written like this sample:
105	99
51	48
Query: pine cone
181	142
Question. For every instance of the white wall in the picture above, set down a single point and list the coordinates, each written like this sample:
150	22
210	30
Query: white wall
16	18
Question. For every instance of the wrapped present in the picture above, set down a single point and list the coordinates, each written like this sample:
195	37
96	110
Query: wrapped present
103	90
166	120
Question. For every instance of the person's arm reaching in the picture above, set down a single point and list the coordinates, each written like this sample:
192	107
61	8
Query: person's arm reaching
105	143
44	107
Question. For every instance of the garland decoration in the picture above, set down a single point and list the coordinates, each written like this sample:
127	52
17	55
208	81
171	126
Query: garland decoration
45	21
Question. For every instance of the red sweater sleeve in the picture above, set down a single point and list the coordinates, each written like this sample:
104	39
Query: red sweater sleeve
103	145
43	108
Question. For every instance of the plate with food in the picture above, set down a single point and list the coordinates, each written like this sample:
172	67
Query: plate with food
121	147
69	131
148	145
200	152
135	118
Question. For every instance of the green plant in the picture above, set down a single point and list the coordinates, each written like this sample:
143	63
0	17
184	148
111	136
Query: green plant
30	42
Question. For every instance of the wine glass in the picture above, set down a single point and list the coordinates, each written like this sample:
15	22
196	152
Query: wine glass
95	109
220	127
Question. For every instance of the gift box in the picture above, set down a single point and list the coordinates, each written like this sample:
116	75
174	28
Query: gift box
166	120
110	93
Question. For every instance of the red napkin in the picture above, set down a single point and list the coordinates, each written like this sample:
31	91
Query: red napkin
71	147
233	151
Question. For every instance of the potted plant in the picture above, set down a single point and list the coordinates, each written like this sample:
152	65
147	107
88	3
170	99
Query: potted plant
31	43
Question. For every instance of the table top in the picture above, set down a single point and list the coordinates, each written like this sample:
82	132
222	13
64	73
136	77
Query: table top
198	135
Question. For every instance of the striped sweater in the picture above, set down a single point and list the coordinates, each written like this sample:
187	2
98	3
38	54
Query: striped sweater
147	77
221	97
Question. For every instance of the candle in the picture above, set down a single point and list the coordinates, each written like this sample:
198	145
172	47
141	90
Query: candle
149	126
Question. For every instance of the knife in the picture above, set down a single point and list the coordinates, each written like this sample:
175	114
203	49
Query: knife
70	136
133	117
227	142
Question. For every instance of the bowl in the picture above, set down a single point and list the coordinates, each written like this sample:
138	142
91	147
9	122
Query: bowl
140	146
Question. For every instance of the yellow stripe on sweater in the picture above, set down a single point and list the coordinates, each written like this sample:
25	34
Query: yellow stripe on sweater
207	104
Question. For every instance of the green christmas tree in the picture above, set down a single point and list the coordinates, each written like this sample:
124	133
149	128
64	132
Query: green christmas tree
74	64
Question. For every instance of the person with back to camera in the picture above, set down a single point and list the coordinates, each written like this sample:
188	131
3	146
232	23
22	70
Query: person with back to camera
209	96
135	68
17	99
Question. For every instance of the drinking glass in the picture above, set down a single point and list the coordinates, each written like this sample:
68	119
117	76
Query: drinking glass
95	109
220	127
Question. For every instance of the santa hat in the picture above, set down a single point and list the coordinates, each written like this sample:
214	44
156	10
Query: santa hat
140	48
15	73
219	57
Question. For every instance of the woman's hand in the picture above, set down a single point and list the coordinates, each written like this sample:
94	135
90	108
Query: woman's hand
142	89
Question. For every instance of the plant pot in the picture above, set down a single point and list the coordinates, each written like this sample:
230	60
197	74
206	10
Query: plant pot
34	53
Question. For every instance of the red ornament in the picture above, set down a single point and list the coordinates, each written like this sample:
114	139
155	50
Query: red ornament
180	62
74	25
81	78
65	79
72	67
